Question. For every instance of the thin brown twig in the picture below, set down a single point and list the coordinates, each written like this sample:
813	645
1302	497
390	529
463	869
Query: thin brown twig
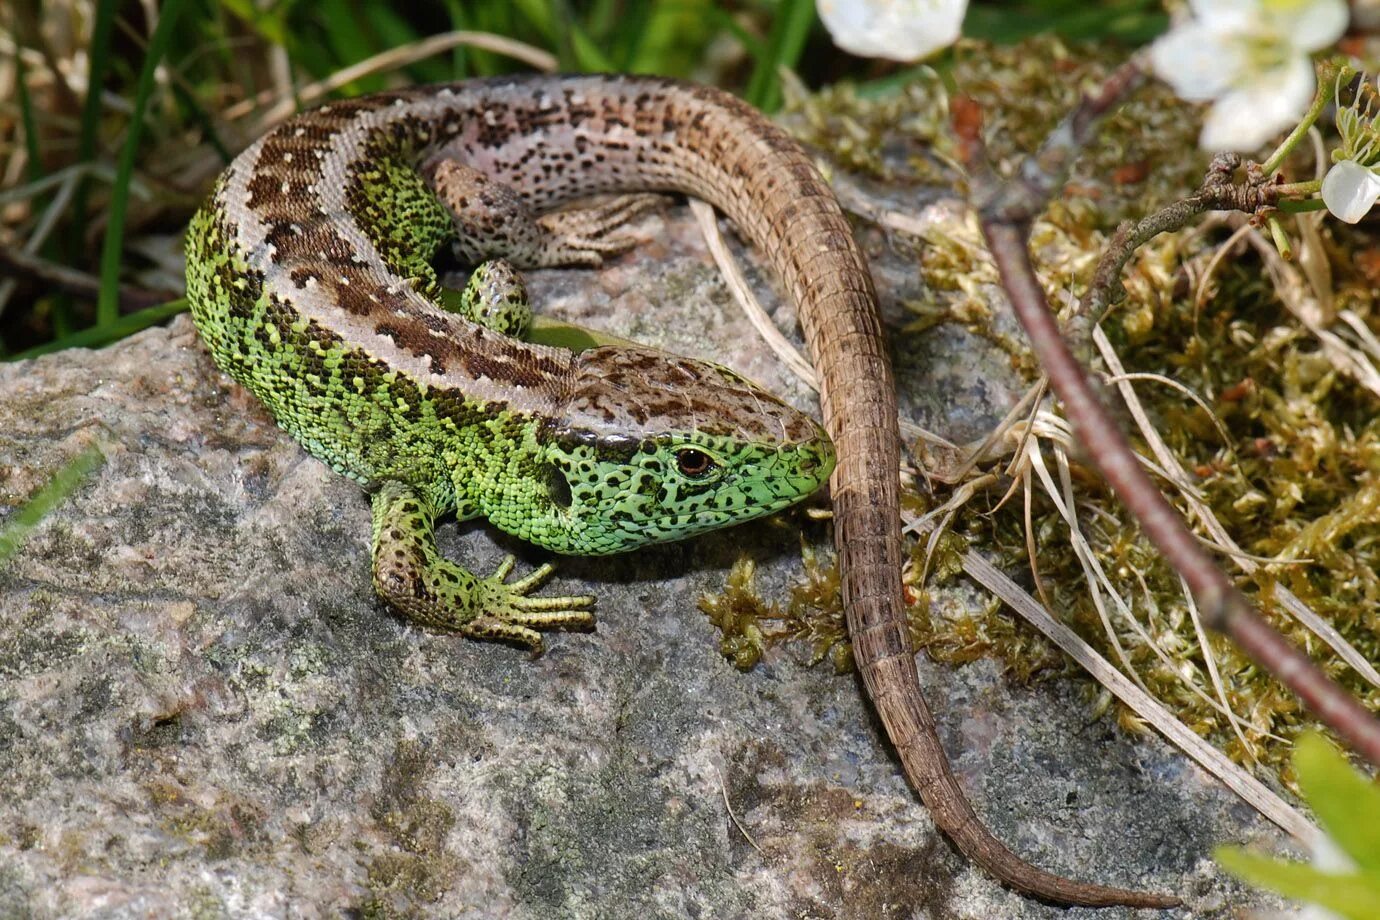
18	264
1006	211
1218	193
399	56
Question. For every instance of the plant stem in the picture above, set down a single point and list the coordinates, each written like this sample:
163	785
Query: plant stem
1297	189
108	302
1329	72
1281	239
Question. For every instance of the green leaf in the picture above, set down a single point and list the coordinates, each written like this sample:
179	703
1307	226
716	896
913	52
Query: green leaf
1355	897
271	23
547	331
553	332
29	123
784	44
17	528
96	336
587	53
108	302
352	41
1133	21
1346	802
193	109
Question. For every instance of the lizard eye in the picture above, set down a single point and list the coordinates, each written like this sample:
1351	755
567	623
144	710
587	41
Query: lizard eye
694	463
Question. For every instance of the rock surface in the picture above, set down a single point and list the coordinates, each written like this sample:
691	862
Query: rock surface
204	712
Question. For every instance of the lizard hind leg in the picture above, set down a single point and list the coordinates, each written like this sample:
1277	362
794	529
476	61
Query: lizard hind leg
493	220
496	299
411	576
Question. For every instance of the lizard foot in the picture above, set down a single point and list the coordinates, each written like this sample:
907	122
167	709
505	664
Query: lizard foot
496	298
411	577
493	221
584	236
509	614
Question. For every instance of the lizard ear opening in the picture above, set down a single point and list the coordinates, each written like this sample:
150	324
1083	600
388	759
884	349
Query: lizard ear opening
557	486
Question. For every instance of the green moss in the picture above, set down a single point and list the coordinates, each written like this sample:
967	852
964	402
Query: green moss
814	615
740	614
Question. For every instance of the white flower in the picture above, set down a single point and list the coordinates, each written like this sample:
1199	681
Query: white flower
1252	57
903	30
1350	190
1351	187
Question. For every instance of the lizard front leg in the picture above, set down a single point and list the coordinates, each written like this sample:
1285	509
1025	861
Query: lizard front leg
491	219
411	576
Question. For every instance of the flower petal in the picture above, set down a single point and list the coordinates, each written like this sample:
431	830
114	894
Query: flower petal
1197	61
1309	25
1225	15
1350	190
903	30
1244	119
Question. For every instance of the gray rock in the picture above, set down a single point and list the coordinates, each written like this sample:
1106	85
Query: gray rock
204	712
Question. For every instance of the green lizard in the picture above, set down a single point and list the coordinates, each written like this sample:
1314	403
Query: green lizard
309	276
342	339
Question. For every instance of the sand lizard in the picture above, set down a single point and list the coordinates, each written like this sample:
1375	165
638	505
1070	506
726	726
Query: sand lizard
310	278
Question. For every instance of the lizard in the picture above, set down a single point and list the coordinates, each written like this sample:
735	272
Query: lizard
310	278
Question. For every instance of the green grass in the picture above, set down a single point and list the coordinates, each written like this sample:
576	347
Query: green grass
108	307
1133	21
782	50
99	55
99	335
17	527
167	130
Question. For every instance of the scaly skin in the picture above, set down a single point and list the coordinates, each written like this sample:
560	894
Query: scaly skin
309	275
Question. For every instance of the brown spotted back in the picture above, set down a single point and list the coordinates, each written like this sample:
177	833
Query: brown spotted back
642	392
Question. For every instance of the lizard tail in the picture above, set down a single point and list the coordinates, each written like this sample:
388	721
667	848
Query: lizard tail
912	729
769	187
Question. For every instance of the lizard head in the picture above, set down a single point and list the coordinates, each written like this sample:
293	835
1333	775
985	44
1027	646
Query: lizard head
649	447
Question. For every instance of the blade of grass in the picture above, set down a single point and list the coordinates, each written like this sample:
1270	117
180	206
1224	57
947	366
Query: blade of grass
351	41
96	336
393	57
667	37
40	241
99	52
496	19
187	102
269	23
108	306
893	83
66	481
556	23
1132	21
542	16
395	32
721	18
1354	896
34	166
588	55
787	39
